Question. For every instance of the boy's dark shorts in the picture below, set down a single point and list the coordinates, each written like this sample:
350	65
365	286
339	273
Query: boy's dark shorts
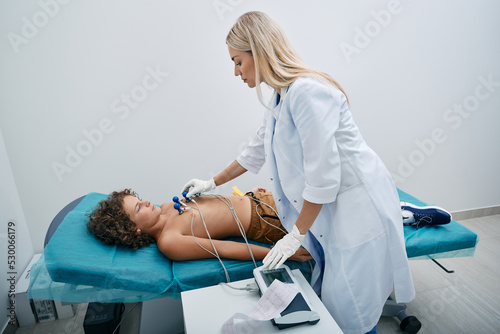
259	230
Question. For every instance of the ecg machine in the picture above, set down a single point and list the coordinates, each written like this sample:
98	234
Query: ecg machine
299	311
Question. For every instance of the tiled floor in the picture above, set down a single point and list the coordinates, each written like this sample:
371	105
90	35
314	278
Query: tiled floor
466	301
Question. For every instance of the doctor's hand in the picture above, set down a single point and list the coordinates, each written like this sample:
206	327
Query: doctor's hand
284	248
196	186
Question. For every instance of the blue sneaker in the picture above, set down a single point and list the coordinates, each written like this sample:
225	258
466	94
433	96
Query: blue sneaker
420	216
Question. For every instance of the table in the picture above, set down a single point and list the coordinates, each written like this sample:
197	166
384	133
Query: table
206	310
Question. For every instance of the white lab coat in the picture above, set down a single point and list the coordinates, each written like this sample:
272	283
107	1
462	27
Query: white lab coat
315	152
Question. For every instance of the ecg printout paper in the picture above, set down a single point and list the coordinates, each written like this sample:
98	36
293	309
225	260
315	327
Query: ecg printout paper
274	300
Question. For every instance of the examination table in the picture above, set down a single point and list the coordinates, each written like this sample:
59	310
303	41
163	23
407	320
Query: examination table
75	267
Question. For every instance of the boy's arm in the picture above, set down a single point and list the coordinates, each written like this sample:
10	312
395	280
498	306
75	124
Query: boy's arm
184	247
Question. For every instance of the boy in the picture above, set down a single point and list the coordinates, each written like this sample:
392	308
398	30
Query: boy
125	220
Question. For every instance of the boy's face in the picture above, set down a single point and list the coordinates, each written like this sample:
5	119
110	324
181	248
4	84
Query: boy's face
142	213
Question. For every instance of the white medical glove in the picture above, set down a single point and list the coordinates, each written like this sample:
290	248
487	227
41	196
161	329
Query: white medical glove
198	186
284	248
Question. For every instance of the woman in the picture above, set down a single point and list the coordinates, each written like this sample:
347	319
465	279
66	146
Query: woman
333	193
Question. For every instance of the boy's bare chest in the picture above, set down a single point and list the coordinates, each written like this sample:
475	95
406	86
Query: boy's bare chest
210	214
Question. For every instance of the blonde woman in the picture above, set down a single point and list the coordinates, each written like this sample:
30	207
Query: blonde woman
334	195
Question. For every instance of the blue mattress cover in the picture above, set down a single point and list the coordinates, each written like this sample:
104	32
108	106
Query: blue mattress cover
439	241
76	267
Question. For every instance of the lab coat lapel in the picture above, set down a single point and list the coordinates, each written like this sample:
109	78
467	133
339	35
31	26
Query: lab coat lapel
271	118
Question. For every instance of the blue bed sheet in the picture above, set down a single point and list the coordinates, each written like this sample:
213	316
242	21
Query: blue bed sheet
440	241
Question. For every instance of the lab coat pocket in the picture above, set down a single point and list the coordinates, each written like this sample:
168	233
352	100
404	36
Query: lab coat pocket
355	218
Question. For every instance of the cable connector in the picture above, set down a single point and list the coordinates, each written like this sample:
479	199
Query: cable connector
252	287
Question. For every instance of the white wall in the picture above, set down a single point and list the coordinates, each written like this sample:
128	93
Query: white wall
15	243
68	68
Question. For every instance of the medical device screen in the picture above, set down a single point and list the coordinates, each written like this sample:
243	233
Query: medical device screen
280	274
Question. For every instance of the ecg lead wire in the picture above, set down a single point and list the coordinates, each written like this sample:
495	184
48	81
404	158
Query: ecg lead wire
229	204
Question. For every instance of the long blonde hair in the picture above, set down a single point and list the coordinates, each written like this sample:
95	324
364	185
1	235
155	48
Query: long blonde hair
276	62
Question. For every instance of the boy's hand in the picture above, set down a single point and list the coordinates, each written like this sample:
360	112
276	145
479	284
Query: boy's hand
258	190
301	255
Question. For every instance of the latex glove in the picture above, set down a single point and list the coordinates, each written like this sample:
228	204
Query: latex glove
198	186
284	248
